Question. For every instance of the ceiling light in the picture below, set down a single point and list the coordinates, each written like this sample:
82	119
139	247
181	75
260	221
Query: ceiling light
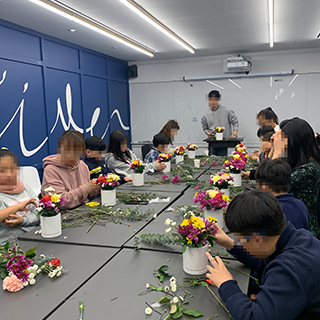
271	22
294	78
71	14
235	83
72	30
156	23
214	84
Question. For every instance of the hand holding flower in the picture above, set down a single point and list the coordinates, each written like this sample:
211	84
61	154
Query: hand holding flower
93	184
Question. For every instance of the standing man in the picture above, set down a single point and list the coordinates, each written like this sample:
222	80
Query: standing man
219	116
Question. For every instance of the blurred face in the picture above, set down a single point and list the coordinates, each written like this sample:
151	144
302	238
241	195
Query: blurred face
95	154
8	172
266	146
162	147
123	146
262	121
70	156
254	244
173	132
214	103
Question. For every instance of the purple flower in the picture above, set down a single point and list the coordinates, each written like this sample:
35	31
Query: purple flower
197	187
165	177
214	163
175	179
62	201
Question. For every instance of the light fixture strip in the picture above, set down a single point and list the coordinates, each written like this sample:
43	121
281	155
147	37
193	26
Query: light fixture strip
235	84
271	22
156	23
214	84
294	78
95	26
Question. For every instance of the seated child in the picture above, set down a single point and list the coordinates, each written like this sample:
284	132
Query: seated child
67	174
160	144
262	131
274	176
286	259
95	152
18	212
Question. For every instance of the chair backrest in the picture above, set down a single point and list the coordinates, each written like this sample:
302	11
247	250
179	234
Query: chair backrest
145	149
30	176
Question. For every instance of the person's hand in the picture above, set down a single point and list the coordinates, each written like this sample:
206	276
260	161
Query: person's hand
93	184
161	166
23	205
223	239
279	144
127	179
245	174
255	155
218	273
13	220
233	136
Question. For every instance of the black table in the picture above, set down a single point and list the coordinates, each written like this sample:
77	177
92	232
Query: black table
225	143
113	292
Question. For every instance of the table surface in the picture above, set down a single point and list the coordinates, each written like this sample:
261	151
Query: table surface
115	288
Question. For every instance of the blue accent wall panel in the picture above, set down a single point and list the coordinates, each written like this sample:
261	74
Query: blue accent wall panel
95	105
23	126
62	87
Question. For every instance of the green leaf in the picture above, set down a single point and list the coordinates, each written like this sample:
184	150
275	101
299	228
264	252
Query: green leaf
6	246
163	268
160	276
4	273
185	302
178	314
184	248
31	253
164	299
160	288
193	312
210	239
203	283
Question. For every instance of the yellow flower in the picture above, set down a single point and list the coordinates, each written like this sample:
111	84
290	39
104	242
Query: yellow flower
196	194
215	178
226	162
236	156
194	219
212	219
55	198
225	198
185	223
189	240
199	224
212	193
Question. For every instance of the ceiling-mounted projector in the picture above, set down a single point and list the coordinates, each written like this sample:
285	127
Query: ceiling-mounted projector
236	64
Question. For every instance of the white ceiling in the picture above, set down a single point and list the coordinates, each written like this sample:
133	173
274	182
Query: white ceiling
212	27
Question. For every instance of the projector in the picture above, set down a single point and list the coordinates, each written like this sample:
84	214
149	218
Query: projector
239	66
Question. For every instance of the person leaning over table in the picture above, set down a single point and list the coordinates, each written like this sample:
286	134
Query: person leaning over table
286	260
219	116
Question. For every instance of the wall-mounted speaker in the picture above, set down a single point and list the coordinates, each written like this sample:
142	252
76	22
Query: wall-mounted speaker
133	71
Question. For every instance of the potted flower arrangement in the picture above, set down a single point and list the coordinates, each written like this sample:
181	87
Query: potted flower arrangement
194	234
219	132
179	152
165	157
192	150
235	165
138	172
221	181
49	212
108	184
212	200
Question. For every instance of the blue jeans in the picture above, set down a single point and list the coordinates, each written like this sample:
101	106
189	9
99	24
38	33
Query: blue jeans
218	151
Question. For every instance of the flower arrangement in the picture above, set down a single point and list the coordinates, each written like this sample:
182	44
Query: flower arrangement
108	182
235	164
164	157
219	129
192	146
137	166
19	269
241	148
179	151
49	205
221	180
211	200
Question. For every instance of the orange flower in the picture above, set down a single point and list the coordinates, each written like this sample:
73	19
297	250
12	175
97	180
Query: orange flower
46	198
101	179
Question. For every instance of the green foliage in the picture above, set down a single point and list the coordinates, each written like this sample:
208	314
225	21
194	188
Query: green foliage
165	299
193	312
161	239
138	196
31	253
161	273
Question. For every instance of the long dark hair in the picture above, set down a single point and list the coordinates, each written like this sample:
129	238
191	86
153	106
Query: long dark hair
114	147
302	144
269	114
171	124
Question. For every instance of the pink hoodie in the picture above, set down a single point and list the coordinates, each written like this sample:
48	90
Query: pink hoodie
70	183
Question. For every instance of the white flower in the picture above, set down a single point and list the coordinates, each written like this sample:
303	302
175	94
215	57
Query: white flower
36	232
35	267
181	298
42	255
166	289
40	231
148	311
10	273
155	215
25	283
185	215
172	279
51	275
32	281
147	285
174	288
31	276
167	222
38	271
173	223
49	189
59	274
168	230
175	300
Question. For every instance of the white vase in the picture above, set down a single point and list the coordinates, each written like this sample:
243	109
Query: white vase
191	154
206	152
237	180
225	191
51	226
196	163
108	197
179	159
195	260
218	214
137	179
219	135
168	167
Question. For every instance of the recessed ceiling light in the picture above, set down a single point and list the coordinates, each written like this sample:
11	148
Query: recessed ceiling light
72	30
318	36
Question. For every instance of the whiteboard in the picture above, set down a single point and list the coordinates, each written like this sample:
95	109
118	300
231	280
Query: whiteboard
153	104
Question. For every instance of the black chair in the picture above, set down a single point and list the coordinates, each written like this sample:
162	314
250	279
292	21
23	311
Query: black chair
145	149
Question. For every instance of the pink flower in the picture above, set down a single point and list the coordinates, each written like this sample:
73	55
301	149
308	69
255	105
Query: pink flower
175	179
214	163
197	187
165	177
12	284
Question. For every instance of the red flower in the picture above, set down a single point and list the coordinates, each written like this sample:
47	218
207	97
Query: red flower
46	198
241	145
55	262
101	179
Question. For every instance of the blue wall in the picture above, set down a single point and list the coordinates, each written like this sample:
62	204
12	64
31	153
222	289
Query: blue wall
48	85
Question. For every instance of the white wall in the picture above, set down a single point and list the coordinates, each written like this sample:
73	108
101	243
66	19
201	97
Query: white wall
159	93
